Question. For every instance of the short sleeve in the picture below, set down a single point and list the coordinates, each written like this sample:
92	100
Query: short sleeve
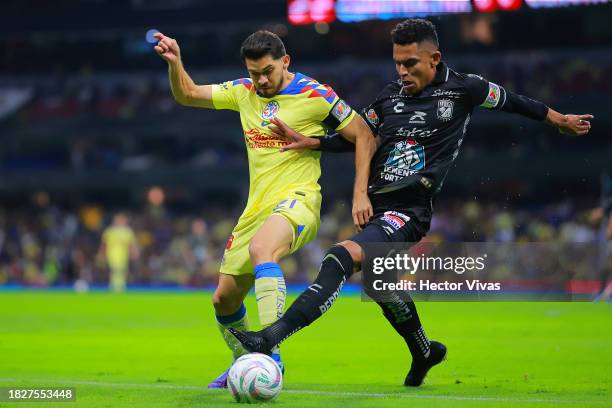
224	95
372	116
484	93
339	116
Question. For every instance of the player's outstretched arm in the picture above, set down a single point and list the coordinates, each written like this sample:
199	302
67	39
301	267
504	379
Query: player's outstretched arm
185	91
489	95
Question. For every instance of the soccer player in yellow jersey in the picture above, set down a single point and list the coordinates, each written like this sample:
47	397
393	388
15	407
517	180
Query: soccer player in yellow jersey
282	211
118	245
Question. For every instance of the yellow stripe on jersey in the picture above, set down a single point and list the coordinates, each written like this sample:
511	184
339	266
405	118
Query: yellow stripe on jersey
306	106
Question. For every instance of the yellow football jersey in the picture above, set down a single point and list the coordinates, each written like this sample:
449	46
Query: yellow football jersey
118	240
306	106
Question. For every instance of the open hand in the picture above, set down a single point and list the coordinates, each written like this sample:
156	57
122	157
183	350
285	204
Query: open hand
362	210
294	140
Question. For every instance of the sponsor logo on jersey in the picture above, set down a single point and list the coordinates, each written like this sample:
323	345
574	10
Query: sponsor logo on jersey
256	139
341	110
399	214
448	94
372	117
407	158
270	110
418	118
445	109
395	219
492	99
415	132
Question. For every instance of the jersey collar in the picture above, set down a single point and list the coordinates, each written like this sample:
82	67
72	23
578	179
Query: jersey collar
442	73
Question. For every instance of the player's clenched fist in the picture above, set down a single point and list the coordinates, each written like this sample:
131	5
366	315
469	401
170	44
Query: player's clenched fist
167	48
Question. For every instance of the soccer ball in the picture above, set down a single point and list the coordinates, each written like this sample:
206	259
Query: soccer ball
255	378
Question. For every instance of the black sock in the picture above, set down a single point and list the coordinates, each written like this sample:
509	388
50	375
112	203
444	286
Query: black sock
336	268
400	311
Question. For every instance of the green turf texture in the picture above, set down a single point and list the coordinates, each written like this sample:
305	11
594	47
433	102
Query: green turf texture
161	349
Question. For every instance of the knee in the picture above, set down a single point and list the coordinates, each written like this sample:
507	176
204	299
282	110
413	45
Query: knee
353	249
338	255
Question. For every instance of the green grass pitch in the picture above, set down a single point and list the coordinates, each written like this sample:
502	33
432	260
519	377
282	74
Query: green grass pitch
161	349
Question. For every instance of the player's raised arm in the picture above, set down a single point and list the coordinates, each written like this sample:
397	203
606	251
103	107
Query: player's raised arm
185	91
489	95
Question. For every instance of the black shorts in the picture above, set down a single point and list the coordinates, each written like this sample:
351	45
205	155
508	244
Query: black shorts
390	226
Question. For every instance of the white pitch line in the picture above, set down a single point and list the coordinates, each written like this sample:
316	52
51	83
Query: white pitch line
313	392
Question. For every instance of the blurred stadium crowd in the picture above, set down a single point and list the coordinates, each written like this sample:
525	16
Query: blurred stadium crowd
42	244
63	105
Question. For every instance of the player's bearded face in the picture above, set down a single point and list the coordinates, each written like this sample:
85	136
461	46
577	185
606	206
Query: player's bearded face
416	65
268	74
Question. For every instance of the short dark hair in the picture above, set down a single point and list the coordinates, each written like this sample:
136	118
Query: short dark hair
262	43
414	30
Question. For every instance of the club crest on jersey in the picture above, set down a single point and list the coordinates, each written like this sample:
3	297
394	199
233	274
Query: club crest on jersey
372	117
341	110
270	110
445	109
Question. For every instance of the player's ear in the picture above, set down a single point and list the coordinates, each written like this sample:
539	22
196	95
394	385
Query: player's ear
286	61
436	57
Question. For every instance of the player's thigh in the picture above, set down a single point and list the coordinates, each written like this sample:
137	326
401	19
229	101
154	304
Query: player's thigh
389	227
304	218
272	240
236	260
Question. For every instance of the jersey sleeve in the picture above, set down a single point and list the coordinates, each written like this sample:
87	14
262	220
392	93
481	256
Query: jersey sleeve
338	114
484	93
489	95
373	117
224	95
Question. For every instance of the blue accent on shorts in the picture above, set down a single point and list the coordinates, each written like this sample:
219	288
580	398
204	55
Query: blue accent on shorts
300	228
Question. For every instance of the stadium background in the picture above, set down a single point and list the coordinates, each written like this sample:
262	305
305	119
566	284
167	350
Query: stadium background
88	128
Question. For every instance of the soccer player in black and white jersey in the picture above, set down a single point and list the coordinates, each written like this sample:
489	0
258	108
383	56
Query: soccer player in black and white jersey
419	122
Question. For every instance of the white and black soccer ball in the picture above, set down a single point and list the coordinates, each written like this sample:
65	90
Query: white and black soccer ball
255	378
